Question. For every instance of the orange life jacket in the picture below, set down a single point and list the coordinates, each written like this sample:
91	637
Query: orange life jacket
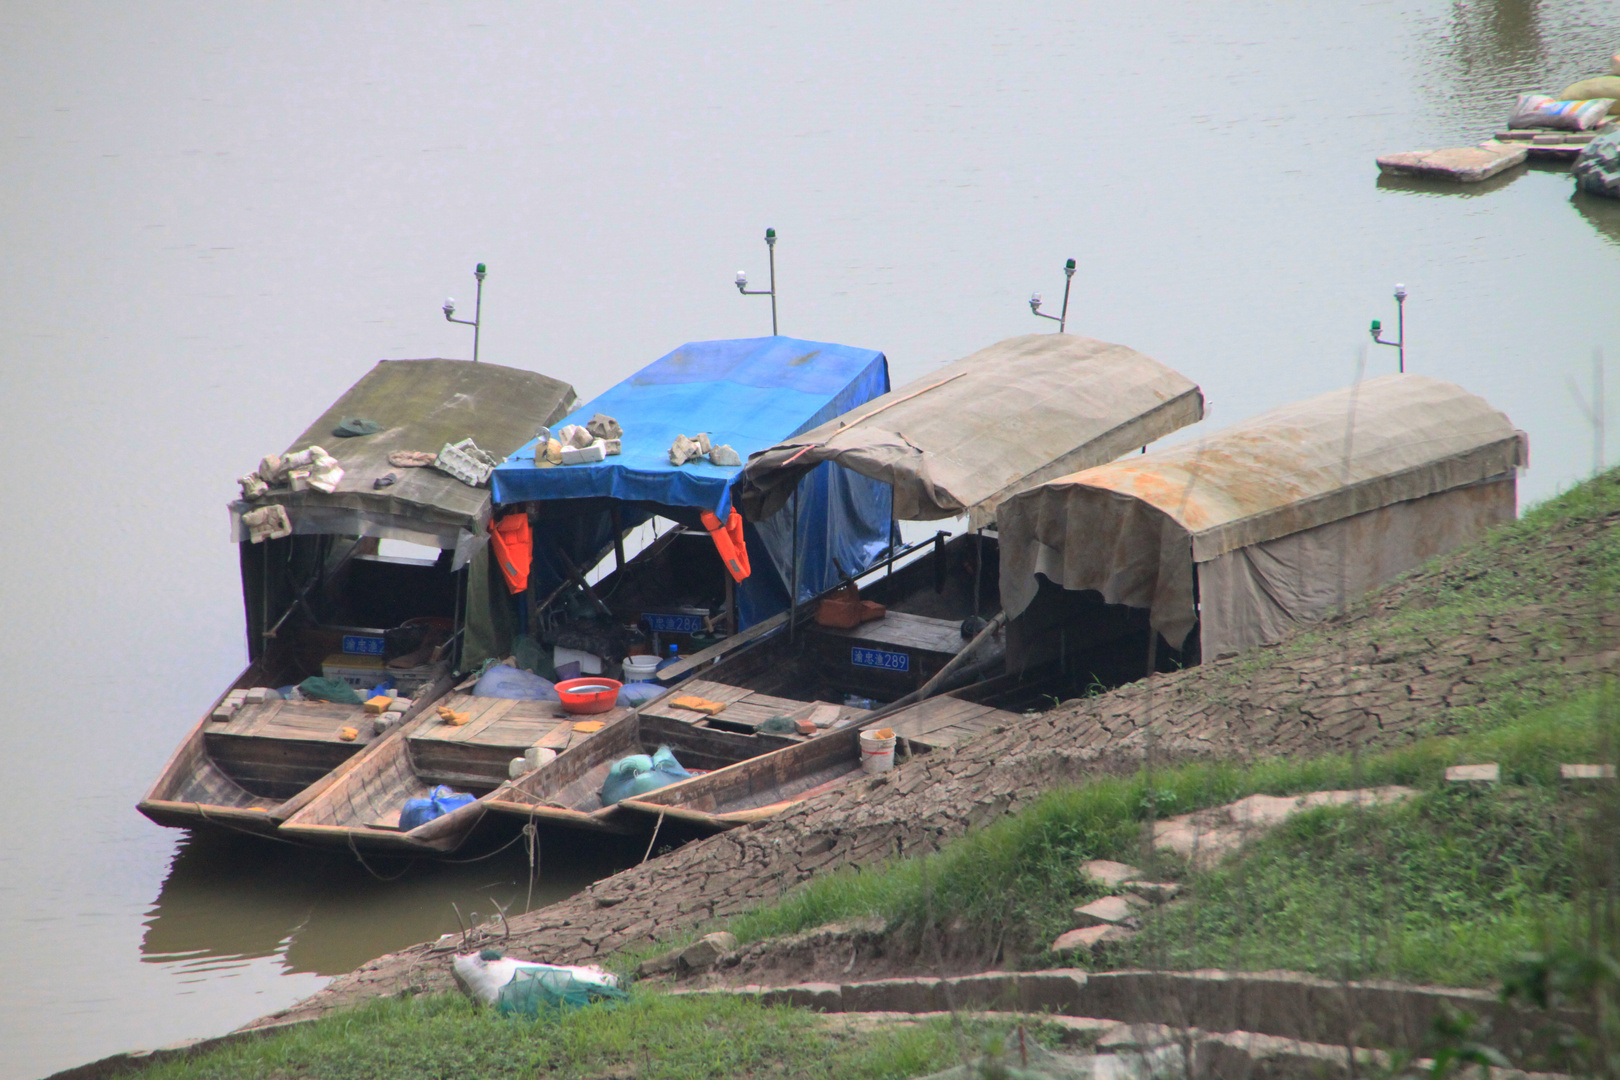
728	540
513	546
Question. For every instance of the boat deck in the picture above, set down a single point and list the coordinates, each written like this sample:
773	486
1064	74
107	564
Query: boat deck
938	722
499	729
946	721
275	749
312	721
900	630
888	657
745	710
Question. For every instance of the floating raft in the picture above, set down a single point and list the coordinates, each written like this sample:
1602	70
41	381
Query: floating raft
1464	164
1471	164
1553	145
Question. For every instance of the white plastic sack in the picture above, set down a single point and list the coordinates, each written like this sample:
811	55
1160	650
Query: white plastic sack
1542	111
267	523
481	975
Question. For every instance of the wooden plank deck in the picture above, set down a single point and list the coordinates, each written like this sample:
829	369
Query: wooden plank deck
900	630
945	721
478	753
510	725
301	721
745	710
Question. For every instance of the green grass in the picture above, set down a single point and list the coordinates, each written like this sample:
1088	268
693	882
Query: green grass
1012	885
1450	888
651	1037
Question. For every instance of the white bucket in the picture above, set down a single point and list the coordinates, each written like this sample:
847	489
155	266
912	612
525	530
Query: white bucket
536	756
877	750
639	668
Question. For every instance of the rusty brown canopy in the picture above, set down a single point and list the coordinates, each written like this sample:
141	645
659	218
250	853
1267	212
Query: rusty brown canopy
1134	529
967	436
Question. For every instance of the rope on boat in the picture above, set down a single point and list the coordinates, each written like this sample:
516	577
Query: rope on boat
654	839
361	860
221	823
478	858
531	835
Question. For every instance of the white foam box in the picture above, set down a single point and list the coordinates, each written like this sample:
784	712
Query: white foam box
584	455
589	663
365	672
360	672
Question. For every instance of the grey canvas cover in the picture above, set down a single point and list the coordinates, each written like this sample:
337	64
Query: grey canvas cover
964	438
421	405
1268	492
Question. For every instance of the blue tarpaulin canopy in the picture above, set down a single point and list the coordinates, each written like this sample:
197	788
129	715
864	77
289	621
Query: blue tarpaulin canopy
750	394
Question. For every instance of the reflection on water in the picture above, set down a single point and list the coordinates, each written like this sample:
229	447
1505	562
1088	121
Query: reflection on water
226	902
1448	189
1602	214
1491	52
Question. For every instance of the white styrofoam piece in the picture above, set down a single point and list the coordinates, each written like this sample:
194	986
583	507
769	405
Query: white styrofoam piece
589	663
584	455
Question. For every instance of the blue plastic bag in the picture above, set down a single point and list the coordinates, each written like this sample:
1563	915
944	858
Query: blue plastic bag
504	681
440	801
639	773
637	693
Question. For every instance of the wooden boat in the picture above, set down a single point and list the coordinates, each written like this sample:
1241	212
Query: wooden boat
566	792
361	809
258	768
921	631
765	786
325	599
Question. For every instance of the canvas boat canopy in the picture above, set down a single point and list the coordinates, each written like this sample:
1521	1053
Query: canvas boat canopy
748	394
1273	521
966	437
421	405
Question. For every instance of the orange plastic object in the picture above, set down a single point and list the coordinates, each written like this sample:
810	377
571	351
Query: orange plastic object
513	543
697	704
349	734
846	614
589	694
587	727
728	540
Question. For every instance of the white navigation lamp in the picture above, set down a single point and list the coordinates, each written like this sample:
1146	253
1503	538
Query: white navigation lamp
1377	328
742	279
478	310
1061	319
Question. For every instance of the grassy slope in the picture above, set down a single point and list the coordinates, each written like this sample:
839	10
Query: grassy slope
651	1037
1014	882
1487	867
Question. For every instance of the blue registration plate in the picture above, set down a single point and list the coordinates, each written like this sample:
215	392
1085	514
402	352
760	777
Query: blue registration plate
362	644
880	658
673	624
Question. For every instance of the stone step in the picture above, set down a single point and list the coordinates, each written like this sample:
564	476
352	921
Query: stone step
1111	911
1288	1006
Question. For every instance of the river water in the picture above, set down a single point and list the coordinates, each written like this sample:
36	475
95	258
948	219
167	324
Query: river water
217	217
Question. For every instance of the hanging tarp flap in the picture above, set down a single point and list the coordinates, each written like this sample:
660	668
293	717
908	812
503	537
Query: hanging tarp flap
1133	529
421	405
748	394
966	437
